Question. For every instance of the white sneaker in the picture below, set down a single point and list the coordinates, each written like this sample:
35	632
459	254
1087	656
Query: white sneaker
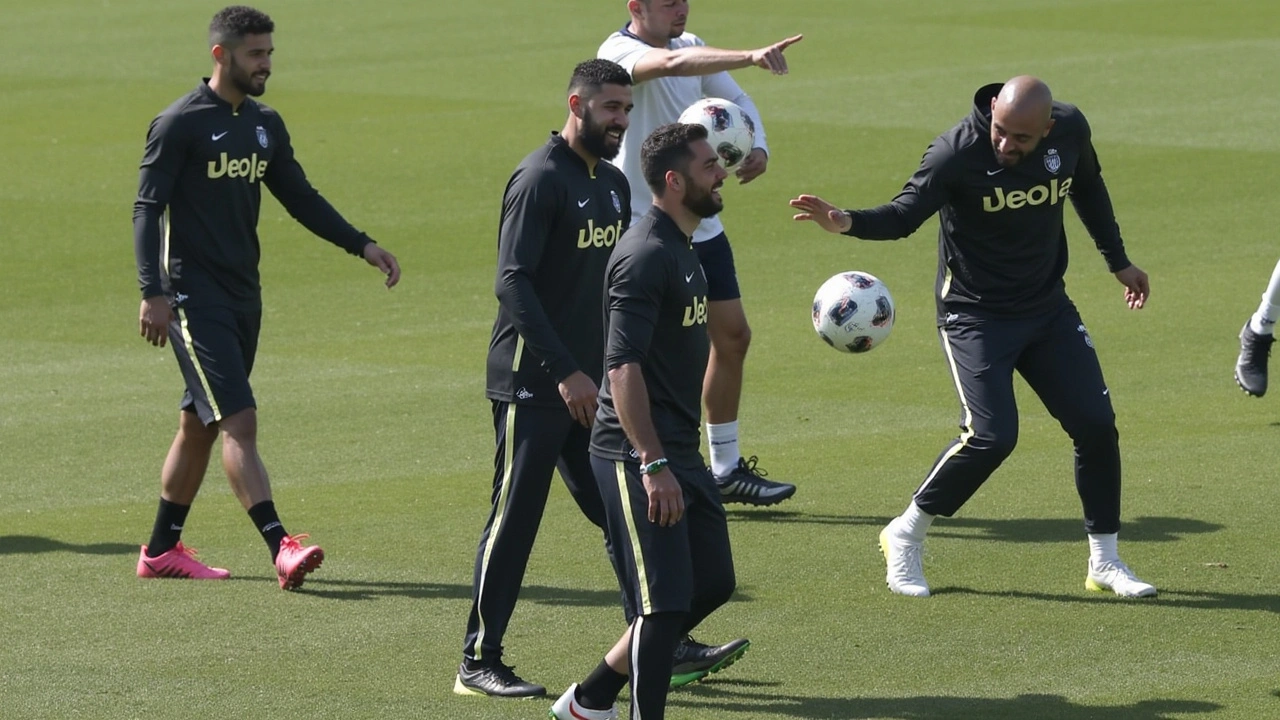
902	556
567	708
1118	578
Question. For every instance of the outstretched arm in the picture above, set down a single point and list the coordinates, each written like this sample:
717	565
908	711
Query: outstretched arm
704	60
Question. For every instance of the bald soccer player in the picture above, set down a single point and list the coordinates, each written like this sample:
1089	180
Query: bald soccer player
999	180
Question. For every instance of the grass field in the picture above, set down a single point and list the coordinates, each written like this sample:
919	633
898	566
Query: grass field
409	116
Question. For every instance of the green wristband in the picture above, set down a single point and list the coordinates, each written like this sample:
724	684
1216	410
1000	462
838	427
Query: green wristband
653	467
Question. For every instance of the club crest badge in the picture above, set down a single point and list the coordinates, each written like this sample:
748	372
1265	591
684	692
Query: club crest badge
617	204
262	137
1052	161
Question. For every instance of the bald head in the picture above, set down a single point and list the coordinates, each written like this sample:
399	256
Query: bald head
1021	115
1026	95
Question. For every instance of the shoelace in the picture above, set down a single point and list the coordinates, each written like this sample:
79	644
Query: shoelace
186	550
910	564
749	465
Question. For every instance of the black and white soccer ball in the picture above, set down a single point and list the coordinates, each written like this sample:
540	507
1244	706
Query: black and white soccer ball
730	130
853	311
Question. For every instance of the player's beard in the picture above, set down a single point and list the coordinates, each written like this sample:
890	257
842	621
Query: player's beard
702	202
1007	159
595	137
243	80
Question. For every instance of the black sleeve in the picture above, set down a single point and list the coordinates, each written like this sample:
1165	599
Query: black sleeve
637	283
1093	204
530	206
923	195
162	161
289	184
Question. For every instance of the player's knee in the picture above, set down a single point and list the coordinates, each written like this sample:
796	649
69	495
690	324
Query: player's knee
193	431
996	444
1098	433
717	589
241	425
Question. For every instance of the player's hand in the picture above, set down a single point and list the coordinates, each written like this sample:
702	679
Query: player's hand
666	499
153	320
752	166
1137	288
579	393
827	216
771	58
384	261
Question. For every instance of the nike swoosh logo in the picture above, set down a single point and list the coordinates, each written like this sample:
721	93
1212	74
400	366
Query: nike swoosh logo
995	172
583	203
219	136
688	278
1106	391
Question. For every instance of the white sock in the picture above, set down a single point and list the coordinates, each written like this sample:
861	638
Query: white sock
723	440
1102	548
913	522
1263	321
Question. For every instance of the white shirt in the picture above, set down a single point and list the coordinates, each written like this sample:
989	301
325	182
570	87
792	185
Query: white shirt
660	101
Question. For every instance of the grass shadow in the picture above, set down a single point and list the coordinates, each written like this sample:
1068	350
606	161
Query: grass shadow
373	589
1139	529
724	696
33	544
1191	599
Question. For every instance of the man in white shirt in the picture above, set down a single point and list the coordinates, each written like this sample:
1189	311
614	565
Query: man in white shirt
672	69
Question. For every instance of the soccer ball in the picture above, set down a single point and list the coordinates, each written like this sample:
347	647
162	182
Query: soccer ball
853	311
730	130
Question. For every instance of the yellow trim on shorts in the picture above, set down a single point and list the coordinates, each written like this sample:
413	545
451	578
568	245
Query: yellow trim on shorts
646	604
195	360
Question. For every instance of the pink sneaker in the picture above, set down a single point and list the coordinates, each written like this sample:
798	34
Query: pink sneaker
178	562
294	561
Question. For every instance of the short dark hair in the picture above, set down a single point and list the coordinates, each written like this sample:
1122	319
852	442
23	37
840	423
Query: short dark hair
666	149
591	75
233	22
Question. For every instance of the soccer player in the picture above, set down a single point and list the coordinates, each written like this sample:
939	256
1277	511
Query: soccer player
196	243
666	524
673	69
562	214
1000	179
1256	338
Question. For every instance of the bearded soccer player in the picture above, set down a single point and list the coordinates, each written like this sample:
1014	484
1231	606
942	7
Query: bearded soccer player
196	244
562	213
673	69
1000	180
666	523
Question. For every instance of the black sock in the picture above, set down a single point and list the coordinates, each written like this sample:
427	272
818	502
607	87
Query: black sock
268	523
653	644
167	531
600	690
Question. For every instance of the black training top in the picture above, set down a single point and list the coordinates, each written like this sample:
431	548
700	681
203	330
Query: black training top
560	223
1001	245
656	316
203	163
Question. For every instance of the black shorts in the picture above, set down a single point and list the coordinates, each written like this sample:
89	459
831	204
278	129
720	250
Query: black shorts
716	258
664	569
215	347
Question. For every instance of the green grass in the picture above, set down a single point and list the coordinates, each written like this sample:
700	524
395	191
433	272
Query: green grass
409	116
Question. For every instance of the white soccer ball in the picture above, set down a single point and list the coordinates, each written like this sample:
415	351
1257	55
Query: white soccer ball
730	129
853	312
